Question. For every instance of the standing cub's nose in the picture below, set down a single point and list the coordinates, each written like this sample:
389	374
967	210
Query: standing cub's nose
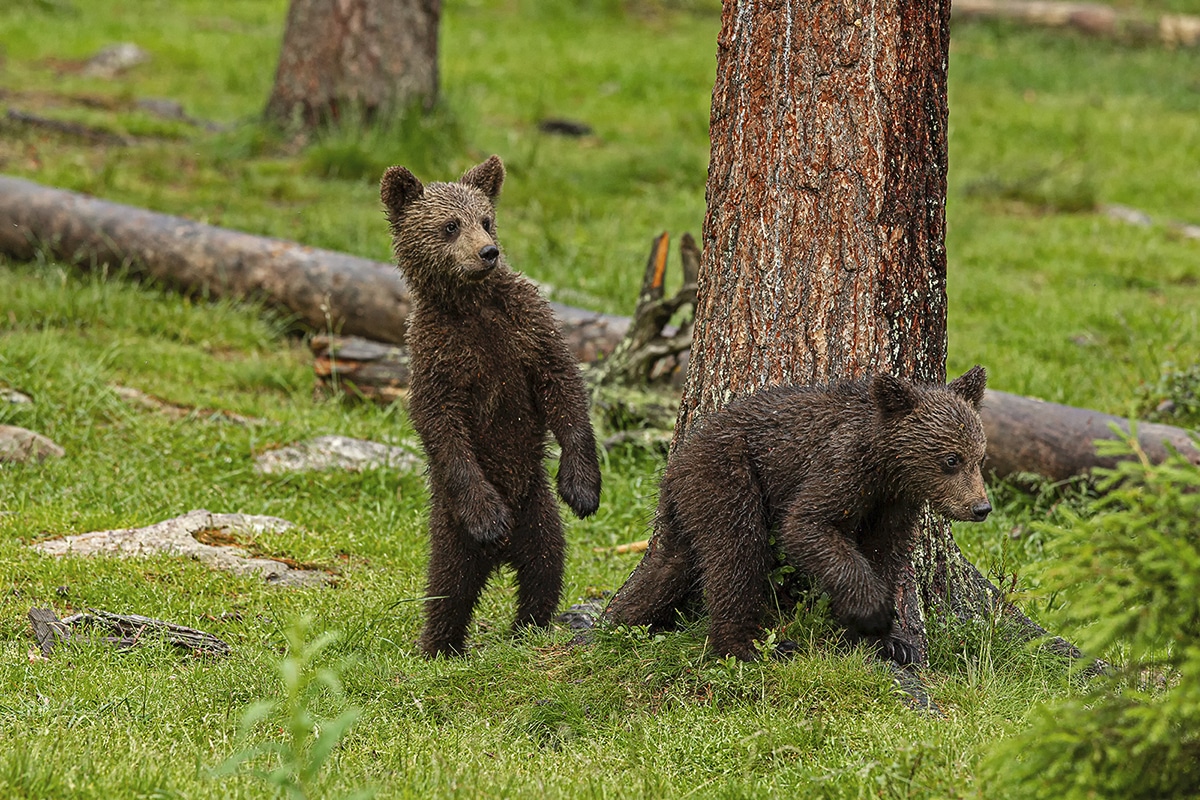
981	510
489	255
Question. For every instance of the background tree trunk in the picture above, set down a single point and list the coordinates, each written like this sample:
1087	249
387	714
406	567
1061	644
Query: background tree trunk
363	56
823	253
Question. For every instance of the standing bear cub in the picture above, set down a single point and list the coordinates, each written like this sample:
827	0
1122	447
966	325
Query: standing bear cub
490	376
837	475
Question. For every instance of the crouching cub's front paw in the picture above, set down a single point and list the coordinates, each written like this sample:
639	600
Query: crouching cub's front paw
485	516
579	483
886	648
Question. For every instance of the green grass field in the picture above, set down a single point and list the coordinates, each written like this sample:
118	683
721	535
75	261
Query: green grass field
1056	299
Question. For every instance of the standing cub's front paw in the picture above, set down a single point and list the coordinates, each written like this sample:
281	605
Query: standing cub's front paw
485	516
579	484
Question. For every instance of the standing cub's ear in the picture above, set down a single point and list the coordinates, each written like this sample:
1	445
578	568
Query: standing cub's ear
970	385
398	188
487	177
893	396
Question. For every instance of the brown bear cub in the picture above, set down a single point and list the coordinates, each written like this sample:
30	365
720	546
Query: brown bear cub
836	475
491	375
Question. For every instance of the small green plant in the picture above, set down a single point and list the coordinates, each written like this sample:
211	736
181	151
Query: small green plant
291	765
1174	398
1130	570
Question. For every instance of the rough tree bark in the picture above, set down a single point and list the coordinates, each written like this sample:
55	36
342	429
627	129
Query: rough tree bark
823	245
360	56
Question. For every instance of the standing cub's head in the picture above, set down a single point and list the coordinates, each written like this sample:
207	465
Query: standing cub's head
934	443
444	234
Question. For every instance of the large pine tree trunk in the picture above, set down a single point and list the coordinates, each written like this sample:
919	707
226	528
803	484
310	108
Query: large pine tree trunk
359	56
823	254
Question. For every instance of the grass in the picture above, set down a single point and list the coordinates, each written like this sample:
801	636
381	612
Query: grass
1056	300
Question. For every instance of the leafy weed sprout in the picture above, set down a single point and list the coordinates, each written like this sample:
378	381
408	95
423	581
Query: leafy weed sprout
292	764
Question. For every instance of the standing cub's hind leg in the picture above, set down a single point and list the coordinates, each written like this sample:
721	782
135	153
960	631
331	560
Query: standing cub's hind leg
458	570
537	554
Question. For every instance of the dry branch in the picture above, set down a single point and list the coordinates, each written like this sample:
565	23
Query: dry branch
650	353
62	127
1092	19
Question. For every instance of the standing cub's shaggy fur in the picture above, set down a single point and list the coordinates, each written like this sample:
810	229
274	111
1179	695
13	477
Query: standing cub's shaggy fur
838	475
490	375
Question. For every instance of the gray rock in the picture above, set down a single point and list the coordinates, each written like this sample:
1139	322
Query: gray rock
13	396
336	452
18	445
115	59
178	536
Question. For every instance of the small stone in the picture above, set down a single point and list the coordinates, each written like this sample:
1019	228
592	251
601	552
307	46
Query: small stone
335	452
15	397
182	536
18	445
115	59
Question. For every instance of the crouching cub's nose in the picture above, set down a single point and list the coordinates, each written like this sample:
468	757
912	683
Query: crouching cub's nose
489	254
979	511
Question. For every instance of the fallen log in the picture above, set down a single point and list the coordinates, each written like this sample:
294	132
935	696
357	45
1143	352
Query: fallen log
321	290
1058	442
1092	19
324	290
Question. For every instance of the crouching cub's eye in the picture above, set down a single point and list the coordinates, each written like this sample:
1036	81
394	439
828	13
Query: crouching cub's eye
451	227
951	462
487	224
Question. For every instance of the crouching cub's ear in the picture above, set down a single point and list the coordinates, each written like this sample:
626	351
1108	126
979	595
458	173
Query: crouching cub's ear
398	188
893	396
970	385
487	177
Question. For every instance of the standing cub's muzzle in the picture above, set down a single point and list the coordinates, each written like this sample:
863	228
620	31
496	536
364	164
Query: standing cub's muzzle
489	255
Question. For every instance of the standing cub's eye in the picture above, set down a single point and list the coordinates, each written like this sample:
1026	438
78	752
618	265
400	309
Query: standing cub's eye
951	462
487	224
451	227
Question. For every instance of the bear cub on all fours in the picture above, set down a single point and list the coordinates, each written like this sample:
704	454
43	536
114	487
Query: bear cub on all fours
490	375
837	474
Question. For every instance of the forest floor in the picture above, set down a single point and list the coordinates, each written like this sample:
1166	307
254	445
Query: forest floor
1059	299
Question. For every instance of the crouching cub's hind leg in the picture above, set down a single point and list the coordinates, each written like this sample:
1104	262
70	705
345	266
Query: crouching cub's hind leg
726	516
662	581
